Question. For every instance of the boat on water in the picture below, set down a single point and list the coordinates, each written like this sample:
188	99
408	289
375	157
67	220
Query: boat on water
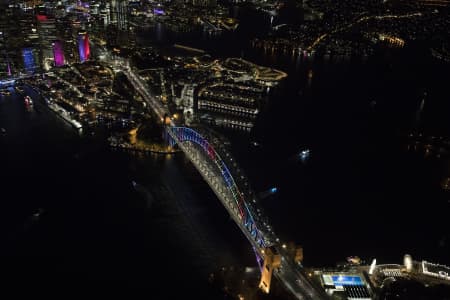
28	104
28	101
36	216
138	187
304	154
38	213
255	143
64	115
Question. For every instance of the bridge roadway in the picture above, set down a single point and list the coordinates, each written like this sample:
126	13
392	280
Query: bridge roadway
289	273
141	87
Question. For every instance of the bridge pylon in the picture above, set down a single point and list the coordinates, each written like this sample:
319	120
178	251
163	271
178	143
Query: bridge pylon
272	260
295	252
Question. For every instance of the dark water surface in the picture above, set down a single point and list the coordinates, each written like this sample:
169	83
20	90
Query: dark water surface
96	232
360	193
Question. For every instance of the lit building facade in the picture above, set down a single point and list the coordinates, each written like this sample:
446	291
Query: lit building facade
83	46
234	106
119	14
29	61
47	36
58	53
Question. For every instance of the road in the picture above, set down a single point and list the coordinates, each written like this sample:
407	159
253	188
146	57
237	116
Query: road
123	65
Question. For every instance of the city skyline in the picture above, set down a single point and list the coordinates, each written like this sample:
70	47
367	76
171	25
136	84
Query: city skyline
296	149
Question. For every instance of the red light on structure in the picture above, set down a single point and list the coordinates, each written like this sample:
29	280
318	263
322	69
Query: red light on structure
41	18
87	50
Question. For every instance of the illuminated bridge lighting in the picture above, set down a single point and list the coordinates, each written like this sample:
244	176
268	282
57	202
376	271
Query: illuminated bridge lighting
249	218
245	215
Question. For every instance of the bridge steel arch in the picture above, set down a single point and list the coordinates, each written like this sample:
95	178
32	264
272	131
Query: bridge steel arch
195	146
182	135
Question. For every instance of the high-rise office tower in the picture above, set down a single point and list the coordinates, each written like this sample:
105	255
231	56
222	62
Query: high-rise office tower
29	61
83	46
47	36
119	13
58	53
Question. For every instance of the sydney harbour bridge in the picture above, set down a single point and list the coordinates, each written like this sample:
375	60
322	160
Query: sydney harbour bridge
212	161
218	168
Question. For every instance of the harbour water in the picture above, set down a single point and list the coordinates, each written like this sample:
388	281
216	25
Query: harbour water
73	221
361	189
360	193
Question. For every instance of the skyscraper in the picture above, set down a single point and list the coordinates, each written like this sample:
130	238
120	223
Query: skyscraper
119	13
87	48
47	36
28	60
83	46
58	53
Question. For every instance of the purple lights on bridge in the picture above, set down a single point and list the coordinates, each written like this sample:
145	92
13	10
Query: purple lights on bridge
244	214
